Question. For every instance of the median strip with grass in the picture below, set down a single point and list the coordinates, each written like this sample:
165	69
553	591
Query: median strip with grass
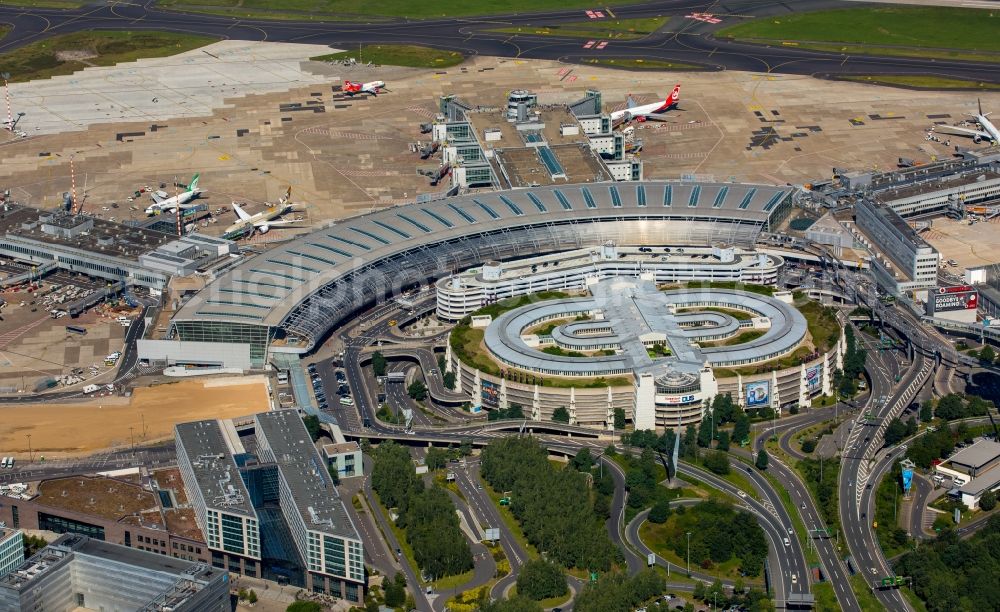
920	81
360	9
634	63
69	53
620	29
938	32
57	4
413	56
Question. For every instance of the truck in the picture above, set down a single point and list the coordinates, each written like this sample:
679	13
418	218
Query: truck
90	389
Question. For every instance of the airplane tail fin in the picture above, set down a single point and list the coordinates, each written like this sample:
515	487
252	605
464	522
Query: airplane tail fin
675	95
980	102
285	199
194	182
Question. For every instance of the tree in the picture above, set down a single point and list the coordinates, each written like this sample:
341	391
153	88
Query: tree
417	390
304	606
987	354
950	407
395	591
761	461
717	462
809	445
515	412
660	512
741	430
465	448
895	432
911	427
436	458
988	501
449	380
378	363
926	411
583	460
540	579
334	474
723	444
311	422
705	433
560	415
794	409
619	418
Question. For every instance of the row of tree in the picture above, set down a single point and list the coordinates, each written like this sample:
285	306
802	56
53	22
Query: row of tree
616	592
821	478
955	574
956	406
938	444
552	505
426	513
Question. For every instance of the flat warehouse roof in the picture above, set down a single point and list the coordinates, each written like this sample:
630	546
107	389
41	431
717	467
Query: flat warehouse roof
977	455
264	290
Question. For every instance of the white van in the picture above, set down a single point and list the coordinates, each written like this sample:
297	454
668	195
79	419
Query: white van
90	389
4	462
347	400
10	462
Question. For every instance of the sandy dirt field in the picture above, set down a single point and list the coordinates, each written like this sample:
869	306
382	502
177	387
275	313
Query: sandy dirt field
65	430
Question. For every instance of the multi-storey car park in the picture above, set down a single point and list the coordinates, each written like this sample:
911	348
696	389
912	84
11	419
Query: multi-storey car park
657	353
461	294
288	298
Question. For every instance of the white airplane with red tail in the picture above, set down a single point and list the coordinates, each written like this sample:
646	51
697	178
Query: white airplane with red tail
374	88
646	112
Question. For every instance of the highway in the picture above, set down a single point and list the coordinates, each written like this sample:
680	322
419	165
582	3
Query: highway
684	39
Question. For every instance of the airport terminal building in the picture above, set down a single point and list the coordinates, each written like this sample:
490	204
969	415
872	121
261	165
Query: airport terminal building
287	299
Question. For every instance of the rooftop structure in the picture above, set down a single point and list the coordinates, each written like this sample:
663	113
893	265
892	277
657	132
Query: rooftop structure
216	476
909	262
310	284
79	572
630	316
105	249
303	471
976	459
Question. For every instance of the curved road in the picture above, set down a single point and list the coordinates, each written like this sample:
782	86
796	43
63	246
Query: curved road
684	40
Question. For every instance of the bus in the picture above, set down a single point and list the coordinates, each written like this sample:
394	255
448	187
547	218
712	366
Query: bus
76	329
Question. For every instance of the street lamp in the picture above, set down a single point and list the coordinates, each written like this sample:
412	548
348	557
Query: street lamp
689	553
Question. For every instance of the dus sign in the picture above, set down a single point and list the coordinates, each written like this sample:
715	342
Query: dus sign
684	399
955	298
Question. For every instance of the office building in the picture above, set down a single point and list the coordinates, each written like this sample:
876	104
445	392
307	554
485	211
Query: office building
11	550
905	261
76	572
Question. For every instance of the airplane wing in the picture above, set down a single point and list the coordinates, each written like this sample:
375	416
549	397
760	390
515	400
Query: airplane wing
954	129
630	102
242	214
655	117
157	199
278	222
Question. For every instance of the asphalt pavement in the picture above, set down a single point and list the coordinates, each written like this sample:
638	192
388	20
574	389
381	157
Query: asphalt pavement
684	39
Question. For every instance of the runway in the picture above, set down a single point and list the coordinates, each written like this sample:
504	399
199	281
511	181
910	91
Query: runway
684	39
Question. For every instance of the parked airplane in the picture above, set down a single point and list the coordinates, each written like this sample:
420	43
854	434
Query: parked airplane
647	111
987	131
374	88
162	205
264	220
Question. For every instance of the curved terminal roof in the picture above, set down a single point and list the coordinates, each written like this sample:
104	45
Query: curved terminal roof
636	312
313	282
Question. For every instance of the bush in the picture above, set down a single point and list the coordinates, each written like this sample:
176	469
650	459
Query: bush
304	606
718	462
560	415
809	445
660	512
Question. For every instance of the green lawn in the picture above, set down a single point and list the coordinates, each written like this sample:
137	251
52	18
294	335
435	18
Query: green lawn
621	29
826	599
950	33
3	30
922	82
655	537
337	9
863	591
642	64
399	55
59	4
69	53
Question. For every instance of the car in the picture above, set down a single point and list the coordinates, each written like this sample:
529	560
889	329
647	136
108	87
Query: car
749	471
741	494
795	579
787	542
789	531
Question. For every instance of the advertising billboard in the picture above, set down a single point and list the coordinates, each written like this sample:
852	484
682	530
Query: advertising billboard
490	395
758	394
813	378
955	298
907	480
